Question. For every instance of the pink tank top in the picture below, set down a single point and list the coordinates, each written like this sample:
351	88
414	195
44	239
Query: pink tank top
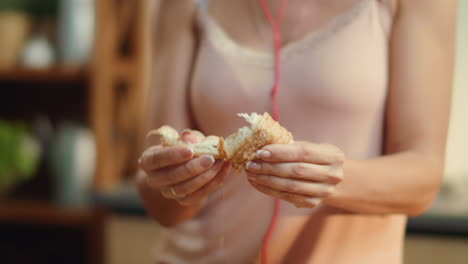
333	90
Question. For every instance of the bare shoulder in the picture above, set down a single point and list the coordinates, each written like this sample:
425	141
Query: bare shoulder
177	10
439	16
174	17
428	8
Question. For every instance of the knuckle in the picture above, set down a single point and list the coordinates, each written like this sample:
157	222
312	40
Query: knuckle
292	186
337	154
152	182
304	152
154	159
192	167
289	196
329	146
182	190
300	170
172	177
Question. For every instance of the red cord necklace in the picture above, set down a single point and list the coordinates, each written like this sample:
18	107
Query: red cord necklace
276	26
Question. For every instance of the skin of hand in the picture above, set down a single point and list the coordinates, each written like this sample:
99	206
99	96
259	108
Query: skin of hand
178	175
301	173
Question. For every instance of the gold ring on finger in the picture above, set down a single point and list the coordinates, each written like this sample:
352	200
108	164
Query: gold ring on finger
173	191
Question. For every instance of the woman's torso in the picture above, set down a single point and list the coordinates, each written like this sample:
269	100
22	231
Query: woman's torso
333	90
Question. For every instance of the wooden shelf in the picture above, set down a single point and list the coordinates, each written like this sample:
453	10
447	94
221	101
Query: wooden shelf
52	74
30	229
46	213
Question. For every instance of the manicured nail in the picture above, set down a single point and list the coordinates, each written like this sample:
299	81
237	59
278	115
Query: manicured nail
207	161
263	154
313	201
253	166
330	189
184	133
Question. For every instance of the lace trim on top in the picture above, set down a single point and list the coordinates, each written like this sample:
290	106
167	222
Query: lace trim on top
224	42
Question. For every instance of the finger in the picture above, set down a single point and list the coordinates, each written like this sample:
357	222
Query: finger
300	201
186	188
159	157
173	175
201	194
192	136
301	152
293	186
297	170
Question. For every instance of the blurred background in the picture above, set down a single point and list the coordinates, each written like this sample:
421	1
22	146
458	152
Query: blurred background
73	75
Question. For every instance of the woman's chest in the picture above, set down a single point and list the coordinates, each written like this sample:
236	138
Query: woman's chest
333	77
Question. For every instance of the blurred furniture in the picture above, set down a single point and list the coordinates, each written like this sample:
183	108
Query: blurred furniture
38	232
57	93
108	96
14	28
120	73
131	239
35	230
430	249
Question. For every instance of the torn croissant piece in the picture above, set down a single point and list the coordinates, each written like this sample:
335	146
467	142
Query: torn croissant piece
208	146
211	145
238	148
168	135
263	130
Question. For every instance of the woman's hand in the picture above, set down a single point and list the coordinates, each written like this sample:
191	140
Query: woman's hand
178	175
302	173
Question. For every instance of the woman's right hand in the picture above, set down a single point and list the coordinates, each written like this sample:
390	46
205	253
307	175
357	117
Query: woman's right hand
178	175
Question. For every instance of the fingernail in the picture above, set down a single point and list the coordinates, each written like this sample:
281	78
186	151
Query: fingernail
188	152
253	166
185	132
263	154
330	189
207	160
313	201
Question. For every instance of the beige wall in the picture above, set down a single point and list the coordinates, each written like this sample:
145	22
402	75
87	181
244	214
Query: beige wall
435	250
130	240
457	147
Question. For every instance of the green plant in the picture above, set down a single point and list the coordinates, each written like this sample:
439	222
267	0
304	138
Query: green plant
14	5
35	8
42	8
19	154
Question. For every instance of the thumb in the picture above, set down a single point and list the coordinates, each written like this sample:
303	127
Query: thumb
192	136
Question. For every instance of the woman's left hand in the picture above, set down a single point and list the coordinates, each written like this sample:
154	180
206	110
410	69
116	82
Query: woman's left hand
302	173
